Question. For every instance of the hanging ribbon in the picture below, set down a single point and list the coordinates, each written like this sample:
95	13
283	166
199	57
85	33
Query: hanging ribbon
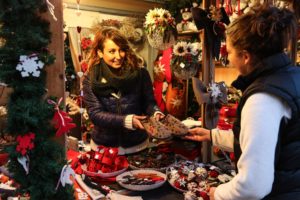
65	176
24	161
239	7
51	9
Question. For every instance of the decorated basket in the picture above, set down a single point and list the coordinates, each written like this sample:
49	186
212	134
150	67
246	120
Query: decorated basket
185	59
161	41
160	27
184	72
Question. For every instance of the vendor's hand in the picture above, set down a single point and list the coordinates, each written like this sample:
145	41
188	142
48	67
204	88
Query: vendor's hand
136	123
212	193
158	116
198	134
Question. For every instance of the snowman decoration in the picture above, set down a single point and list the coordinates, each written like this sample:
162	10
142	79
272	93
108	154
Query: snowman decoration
187	23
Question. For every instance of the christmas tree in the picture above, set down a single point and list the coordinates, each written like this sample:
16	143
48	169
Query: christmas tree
36	160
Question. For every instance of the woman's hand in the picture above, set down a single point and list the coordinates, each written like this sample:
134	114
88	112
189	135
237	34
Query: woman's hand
158	116
136	123
198	134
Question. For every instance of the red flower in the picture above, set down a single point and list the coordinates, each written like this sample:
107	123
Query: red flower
84	66
86	43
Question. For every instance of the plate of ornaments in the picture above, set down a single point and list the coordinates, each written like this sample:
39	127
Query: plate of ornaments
195	179
141	180
156	158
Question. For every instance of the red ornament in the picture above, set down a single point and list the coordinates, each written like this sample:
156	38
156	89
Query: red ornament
62	122
25	143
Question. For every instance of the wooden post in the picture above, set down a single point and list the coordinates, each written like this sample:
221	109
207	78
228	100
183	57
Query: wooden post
55	81
207	76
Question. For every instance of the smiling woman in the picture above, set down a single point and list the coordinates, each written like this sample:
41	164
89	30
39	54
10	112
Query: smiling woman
117	93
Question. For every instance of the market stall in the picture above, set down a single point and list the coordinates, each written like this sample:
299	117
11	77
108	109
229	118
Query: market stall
45	150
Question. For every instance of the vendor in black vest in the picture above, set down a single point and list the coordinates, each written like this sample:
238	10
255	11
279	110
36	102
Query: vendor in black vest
117	93
266	135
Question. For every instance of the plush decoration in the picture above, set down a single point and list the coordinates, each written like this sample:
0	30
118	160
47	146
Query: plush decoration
186	23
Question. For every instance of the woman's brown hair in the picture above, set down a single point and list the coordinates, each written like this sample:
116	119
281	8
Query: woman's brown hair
131	60
265	32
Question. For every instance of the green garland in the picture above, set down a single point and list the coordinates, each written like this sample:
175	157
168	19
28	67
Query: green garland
24	32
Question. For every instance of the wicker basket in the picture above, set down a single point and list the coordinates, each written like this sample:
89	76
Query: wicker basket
161	41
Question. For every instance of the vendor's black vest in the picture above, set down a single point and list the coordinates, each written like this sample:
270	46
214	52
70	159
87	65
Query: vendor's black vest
282	80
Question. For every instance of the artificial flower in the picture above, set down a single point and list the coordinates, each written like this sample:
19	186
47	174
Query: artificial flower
180	48
185	62
160	20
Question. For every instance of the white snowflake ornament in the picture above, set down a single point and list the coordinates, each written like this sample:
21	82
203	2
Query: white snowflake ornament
215	90
30	66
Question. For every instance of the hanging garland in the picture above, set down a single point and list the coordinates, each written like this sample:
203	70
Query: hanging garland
37	162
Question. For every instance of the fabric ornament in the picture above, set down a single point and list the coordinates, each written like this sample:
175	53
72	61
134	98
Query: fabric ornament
24	161
65	176
30	65
62	121
25	143
212	96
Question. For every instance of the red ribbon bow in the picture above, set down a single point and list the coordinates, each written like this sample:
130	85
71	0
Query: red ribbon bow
62	122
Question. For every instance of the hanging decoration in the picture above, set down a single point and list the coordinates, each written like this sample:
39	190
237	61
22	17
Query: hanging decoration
62	122
184	61
30	66
160	27
24	161
213	96
213	22
51	9
67	176
78	12
25	143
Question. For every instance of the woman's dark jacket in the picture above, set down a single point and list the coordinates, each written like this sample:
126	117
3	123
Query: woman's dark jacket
107	112
276	76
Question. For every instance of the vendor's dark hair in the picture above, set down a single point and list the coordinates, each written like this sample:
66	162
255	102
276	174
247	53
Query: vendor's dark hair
131	60
265	32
